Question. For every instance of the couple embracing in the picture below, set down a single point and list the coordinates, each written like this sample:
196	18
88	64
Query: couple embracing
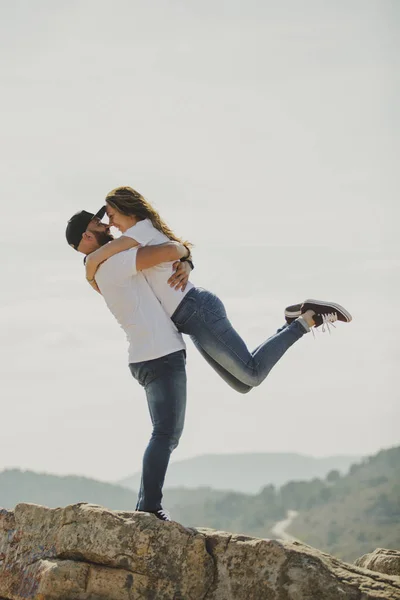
143	277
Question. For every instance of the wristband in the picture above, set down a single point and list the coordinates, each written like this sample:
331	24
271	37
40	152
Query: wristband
188	260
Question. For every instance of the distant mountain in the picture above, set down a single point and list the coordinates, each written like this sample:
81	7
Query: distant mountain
53	490
246	473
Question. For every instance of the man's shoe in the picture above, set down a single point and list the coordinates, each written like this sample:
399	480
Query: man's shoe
326	312
292	313
161	514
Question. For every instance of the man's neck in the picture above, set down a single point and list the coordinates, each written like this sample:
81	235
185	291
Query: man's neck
88	253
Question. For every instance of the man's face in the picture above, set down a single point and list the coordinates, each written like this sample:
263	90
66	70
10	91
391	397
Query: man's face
97	234
100	230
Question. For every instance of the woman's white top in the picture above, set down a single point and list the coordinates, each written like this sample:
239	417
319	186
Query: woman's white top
147	235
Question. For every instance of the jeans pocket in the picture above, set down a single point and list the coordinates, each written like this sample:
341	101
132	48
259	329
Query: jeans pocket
143	373
213	309
185	311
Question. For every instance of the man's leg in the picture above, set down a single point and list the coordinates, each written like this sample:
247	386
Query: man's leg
164	380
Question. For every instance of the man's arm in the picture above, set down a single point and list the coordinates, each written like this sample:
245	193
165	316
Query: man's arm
180	276
98	256
150	256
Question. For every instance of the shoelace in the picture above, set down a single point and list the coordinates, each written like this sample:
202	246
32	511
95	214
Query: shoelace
328	319
164	514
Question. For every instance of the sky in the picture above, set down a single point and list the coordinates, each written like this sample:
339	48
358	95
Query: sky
266	133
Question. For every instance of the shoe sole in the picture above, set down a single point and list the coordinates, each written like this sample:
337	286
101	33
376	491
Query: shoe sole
338	308
292	314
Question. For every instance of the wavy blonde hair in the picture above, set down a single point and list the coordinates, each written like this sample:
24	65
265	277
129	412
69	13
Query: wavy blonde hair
129	202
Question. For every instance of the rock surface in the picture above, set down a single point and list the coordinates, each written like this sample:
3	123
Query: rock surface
86	552
381	560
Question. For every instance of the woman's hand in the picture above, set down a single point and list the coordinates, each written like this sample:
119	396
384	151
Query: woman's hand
91	267
94	285
180	277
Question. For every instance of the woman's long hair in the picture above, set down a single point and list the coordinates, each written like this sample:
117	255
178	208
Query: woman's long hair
129	202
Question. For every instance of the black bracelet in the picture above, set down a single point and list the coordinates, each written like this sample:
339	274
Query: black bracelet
188	260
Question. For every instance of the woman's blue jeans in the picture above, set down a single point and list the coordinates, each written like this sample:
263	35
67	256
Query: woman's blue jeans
164	380
202	315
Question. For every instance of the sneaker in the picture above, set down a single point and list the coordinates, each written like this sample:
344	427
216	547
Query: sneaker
292	313
326	312
162	514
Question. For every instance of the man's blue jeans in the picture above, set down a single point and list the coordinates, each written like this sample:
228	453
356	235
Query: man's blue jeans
164	380
202	315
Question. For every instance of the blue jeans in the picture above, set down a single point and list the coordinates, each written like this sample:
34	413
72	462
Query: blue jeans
202	315
164	380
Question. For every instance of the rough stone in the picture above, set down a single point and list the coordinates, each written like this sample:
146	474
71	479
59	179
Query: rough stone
86	552
381	560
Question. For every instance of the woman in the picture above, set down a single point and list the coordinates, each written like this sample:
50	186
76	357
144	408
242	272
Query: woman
198	312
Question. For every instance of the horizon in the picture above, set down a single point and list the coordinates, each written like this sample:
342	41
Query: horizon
357	458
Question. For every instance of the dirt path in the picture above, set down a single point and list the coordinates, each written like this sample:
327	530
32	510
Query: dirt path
279	530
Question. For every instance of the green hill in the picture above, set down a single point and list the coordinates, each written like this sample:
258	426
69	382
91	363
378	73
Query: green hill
346	516
351	515
53	490
228	511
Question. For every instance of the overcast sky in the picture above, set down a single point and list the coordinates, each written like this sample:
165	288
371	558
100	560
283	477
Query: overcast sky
264	131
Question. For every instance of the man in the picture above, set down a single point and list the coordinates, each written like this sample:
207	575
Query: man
157	353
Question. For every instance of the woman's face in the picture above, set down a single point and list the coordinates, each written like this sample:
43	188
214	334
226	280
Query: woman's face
118	220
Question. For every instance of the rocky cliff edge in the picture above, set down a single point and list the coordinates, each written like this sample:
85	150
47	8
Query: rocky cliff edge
86	552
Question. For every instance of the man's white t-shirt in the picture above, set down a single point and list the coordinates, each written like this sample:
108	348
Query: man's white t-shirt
147	235
150	332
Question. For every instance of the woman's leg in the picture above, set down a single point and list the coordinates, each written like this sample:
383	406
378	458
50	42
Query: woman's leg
237	385
164	380
202	315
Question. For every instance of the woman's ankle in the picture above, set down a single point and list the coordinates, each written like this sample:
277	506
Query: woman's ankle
308	317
